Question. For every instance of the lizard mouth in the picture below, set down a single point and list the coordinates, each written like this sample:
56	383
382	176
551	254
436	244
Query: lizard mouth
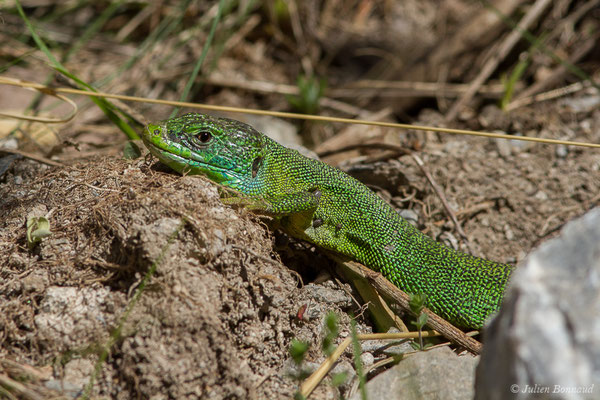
179	163
166	153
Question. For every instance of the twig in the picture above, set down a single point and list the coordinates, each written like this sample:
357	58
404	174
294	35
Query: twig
474	209
505	47
134	22
561	70
313	380
280	88
43	90
413	89
241	33
10	387
434	321
34	157
99	188
549	95
479	29
310	117
572	19
384	146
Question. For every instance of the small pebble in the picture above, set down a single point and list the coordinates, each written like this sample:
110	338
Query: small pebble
504	147
10	144
561	151
367	359
410	215
541	195
510	235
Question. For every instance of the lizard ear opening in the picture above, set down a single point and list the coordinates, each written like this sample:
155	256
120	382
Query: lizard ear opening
256	166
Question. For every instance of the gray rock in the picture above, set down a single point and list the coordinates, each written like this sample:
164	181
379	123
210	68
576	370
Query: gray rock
293	370
389	176
344	367
387	347
506	148
277	129
410	215
493	117
582	104
545	341
10	143
70	317
561	151
367	359
434	374
76	376
329	295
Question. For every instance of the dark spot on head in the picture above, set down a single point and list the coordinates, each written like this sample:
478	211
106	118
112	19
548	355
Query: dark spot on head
317	222
256	166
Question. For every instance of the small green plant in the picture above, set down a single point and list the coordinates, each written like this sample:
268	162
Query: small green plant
298	350
332	331
311	91
362	379
281	10
339	378
511	81
109	109
37	229
417	304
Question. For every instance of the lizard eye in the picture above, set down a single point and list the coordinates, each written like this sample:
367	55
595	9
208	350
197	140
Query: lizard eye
204	136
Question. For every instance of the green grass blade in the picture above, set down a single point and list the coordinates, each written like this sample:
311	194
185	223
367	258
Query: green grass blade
534	41
102	103
201	59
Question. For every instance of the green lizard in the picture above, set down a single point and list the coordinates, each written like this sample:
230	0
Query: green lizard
322	205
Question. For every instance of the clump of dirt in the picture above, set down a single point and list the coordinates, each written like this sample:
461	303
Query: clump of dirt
214	321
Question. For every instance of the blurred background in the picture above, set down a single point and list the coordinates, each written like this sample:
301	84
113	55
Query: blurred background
454	62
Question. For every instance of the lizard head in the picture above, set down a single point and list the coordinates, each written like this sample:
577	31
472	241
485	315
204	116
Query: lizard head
226	151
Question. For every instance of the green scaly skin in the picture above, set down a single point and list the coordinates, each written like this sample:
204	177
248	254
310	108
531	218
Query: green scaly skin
322	205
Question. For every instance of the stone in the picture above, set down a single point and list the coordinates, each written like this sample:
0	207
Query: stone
545	341
433	374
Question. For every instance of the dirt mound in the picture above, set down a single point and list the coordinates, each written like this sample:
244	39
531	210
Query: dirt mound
214	321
